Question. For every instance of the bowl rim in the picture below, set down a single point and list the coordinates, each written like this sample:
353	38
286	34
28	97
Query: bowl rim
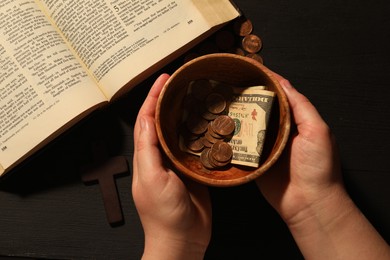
263	167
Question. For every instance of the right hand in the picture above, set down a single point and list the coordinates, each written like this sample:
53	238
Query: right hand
306	189
309	169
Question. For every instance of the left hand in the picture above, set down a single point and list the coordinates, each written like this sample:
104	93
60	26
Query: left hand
175	213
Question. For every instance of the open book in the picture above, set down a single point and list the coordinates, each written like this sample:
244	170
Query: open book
60	60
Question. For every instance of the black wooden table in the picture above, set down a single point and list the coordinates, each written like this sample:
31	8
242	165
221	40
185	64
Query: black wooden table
335	52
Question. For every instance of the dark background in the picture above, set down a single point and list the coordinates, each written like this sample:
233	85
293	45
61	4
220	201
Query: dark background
334	52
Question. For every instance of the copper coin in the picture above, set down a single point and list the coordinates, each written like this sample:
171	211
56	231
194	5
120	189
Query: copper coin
223	125
206	142
212	161
238	51
211	138
256	57
208	115
212	133
204	159
243	26
196	124
195	145
186	134
215	163
252	43
224	40
221	152
215	103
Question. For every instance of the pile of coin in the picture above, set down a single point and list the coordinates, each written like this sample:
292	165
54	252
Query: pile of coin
250	43
218	155
237	38
206	127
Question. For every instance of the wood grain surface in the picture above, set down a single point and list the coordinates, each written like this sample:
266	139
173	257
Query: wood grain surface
335	52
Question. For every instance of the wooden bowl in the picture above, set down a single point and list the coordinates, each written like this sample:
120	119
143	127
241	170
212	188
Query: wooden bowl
235	70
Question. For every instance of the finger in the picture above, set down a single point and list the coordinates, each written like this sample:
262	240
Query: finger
277	76
146	111
149	106
303	110
147	156
304	113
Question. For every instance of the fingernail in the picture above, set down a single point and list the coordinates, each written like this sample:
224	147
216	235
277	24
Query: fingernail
286	84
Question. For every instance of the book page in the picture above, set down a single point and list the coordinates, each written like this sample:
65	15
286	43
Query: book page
42	85
119	39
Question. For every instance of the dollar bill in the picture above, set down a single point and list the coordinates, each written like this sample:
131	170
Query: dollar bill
250	109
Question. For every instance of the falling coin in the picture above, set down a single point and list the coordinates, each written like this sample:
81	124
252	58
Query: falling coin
243	26
252	43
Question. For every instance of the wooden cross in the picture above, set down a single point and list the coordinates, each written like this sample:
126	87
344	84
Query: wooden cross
103	171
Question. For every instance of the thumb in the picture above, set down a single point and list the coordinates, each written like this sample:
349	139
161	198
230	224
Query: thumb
147	157
303	110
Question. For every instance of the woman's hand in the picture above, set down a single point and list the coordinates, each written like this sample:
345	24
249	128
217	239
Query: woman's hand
309	169
175	214
306	188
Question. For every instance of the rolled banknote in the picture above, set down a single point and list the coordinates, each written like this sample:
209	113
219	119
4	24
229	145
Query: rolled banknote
250	108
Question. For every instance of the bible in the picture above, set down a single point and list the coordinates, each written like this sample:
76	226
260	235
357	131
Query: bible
60	60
